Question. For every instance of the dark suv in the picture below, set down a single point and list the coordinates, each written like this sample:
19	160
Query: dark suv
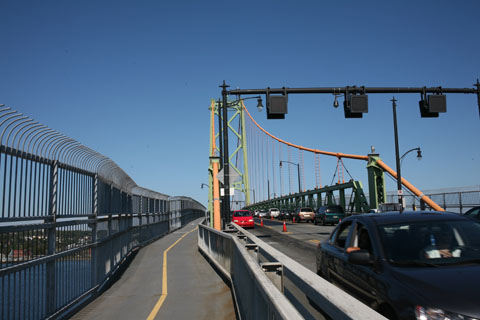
329	215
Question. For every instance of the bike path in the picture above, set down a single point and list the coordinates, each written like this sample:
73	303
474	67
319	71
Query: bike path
192	290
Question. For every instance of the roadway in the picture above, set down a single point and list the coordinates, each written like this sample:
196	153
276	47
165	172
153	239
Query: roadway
188	289
299	242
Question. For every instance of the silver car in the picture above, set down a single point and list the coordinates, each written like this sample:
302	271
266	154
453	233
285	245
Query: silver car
274	212
262	213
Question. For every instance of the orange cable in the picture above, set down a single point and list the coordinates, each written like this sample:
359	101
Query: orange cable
333	154
407	184
410	187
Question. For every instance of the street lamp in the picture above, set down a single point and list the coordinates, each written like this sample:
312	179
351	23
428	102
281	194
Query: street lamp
298	171
204	184
259	102
419	154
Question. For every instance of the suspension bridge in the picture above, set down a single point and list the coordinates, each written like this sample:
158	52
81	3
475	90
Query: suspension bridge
258	154
80	238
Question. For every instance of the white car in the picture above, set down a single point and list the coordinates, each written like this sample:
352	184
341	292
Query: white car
274	212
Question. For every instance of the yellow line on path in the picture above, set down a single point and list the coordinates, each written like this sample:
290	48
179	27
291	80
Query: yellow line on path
163	296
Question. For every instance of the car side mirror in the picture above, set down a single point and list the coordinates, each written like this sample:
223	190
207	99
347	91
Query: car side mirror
361	257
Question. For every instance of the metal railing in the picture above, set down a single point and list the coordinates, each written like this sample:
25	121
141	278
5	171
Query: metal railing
269	285
456	200
70	219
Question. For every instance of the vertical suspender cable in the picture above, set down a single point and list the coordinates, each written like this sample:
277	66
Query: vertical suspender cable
290	185
302	166
273	168
280	168
265	139
263	165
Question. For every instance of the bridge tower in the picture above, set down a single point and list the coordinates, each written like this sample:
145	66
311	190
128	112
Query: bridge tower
238	160
376	182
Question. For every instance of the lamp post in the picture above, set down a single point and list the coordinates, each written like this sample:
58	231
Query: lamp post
204	184
298	172
397	155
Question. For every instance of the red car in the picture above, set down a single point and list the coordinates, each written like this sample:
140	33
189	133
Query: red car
243	218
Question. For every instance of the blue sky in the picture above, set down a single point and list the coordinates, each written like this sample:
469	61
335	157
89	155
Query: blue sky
133	79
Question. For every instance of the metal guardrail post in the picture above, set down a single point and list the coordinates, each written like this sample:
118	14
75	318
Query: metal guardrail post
111	254
274	271
94	251
51	240
460	202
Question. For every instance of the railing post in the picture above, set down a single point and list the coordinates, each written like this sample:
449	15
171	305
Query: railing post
460	202
93	254
51	240
110	243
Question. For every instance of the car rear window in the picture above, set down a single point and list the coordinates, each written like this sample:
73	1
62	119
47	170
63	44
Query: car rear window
306	210
242	213
336	209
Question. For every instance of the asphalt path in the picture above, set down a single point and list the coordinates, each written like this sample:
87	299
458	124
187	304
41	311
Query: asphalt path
299	242
190	287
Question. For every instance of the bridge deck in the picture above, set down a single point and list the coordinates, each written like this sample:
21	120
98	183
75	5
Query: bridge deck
195	290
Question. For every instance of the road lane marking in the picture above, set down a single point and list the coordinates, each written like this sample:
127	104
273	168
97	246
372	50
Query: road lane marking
315	241
163	296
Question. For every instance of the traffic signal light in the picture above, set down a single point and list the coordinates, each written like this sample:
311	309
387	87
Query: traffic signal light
355	106
435	104
277	106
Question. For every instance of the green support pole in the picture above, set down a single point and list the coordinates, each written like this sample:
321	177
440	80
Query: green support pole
361	204
330	198
246	182
376	182
310	201
342	198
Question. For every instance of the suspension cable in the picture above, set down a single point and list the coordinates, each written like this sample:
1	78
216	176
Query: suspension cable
338	154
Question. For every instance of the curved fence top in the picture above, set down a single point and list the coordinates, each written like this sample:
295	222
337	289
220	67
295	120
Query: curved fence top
22	136
190	203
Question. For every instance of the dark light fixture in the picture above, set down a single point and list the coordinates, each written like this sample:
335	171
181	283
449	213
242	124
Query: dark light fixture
419	154
335	101
259	104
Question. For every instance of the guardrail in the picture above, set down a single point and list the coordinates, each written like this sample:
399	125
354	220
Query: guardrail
269	285
70	220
